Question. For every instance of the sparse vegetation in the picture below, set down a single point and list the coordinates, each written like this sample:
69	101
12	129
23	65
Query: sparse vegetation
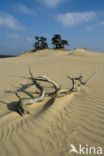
57	42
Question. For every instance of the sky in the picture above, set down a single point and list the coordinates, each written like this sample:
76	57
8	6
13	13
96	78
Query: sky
81	22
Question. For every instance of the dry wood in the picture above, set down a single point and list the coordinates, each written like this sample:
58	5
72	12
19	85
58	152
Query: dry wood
27	101
74	88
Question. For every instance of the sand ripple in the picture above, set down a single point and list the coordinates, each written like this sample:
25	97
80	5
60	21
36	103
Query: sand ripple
74	119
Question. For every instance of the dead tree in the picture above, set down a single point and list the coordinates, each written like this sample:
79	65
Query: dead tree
23	102
80	80
46	79
74	88
28	101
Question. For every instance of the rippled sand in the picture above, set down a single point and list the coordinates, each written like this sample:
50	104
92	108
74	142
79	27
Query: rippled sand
55	123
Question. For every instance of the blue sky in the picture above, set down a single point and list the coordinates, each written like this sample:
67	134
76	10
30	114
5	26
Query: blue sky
81	22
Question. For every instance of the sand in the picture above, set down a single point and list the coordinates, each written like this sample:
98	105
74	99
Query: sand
54	124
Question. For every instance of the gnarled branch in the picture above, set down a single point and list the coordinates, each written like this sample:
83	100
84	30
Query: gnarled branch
26	101
23	102
74	88
46	79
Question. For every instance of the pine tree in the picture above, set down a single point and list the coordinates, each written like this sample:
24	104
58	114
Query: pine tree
40	43
58	42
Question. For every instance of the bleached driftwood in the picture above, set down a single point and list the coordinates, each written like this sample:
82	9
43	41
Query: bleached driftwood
80	79
45	79
28	101
74	88
23	102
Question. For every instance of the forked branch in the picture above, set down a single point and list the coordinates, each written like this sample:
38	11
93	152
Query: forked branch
28	101
23	102
74	88
46	79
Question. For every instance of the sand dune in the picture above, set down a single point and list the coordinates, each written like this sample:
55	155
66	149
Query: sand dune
55	124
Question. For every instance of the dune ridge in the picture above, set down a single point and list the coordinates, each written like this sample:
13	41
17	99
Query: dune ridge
55	123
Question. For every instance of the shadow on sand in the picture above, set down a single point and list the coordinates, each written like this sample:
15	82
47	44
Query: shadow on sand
47	105
13	106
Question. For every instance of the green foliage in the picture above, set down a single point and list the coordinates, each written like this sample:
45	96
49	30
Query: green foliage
58	42
40	43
